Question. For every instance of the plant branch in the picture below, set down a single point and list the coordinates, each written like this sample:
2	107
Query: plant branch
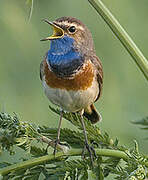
122	35
31	10
72	152
24	135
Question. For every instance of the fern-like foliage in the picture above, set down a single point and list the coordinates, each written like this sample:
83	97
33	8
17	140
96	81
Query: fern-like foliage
143	122
41	164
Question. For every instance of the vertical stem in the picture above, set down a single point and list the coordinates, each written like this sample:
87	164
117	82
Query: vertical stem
31	10
121	34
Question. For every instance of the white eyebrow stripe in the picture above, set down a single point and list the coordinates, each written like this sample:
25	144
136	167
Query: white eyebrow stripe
66	23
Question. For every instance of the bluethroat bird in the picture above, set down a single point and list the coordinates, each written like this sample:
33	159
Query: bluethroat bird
71	73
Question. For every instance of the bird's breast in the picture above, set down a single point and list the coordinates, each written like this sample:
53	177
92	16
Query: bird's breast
80	81
71	94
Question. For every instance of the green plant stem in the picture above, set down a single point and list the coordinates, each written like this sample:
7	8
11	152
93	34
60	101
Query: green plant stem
121	34
31	10
72	152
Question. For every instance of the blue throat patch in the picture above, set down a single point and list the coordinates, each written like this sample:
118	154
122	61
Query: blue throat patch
64	60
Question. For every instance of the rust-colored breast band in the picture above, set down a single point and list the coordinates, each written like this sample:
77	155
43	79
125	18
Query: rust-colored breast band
81	81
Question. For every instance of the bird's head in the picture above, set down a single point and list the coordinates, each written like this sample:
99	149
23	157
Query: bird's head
71	31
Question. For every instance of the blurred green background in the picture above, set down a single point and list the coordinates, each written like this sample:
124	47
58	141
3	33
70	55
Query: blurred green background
125	93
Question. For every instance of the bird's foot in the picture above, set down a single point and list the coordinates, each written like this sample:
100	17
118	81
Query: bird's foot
56	143
91	152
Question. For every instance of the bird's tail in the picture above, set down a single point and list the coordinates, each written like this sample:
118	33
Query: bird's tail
91	114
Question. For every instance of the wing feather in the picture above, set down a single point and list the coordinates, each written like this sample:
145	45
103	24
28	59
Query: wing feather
42	67
99	73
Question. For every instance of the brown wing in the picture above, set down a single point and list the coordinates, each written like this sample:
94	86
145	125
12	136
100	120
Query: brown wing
42	67
99	69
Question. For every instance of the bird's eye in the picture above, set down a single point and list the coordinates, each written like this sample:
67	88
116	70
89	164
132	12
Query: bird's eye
72	29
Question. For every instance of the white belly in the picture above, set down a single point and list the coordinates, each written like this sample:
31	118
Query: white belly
72	101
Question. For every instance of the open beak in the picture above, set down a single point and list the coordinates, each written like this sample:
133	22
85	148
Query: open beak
57	31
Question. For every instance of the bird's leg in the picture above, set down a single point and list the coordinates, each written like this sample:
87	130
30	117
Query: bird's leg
58	134
87	146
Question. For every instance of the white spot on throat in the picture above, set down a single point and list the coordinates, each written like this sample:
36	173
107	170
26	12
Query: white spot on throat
57	54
